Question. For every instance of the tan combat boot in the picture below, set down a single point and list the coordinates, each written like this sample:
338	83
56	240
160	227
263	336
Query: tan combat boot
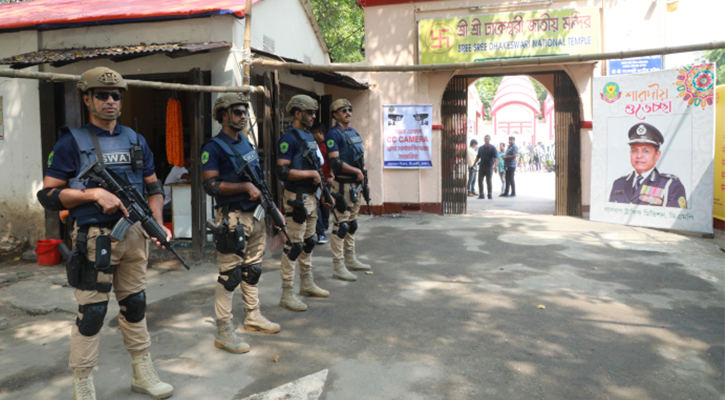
83	388
353	264
226	338
341	272
309	288
255	321
290	301
145	380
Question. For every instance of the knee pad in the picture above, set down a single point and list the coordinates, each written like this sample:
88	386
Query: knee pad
310	243
234	276
135	307
340	229
252	273
294	251
352	227
93	315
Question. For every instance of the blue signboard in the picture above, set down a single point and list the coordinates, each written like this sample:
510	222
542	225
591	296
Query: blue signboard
634	65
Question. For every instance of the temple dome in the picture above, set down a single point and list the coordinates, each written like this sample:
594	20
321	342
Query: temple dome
516	90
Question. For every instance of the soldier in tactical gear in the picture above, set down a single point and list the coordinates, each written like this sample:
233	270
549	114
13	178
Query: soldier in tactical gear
98	263
346	154
241	240
301	181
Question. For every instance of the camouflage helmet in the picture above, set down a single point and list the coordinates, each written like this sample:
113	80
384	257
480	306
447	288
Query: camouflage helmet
302	102
338	104
101	77
225	102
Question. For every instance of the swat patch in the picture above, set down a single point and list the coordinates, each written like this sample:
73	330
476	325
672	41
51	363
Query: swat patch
50	158
283	147
330	143
682	202
117	158
204	157
251	156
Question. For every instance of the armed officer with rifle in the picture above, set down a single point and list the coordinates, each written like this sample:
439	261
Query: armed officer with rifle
98	172
233	176
298	168
347	160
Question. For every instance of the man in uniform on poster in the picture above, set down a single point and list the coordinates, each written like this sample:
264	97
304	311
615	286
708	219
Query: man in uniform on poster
646	185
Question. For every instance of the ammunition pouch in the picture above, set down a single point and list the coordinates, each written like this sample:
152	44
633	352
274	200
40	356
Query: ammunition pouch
354	193
82	273
228	241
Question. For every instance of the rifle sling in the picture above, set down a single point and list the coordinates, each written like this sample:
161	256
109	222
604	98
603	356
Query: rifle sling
96	144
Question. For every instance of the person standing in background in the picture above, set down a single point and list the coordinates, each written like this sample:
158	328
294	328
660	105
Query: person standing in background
472	168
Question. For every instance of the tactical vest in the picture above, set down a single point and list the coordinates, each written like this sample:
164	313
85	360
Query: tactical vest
298	161
249	154
116	151
347	152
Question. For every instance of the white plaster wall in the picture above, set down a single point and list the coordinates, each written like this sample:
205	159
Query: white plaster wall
22	218
286	22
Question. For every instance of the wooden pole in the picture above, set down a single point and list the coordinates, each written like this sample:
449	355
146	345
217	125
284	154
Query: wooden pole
509	62
247	70
53	77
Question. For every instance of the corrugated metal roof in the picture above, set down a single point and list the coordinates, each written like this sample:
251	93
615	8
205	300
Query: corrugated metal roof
62	57
51	14
332	78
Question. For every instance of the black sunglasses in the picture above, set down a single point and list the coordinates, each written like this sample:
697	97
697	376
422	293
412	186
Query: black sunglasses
311	113
346	110
103	96
239	113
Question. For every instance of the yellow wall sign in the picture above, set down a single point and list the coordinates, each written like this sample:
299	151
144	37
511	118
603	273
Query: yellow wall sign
719	203
512	35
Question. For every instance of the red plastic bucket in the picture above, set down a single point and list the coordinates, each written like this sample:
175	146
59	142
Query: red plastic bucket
47	251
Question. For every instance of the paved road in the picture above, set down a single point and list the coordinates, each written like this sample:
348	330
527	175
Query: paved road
535	194
452	311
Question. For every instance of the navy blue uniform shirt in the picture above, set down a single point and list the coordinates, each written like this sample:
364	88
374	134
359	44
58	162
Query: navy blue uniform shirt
65	160
665	189
214	158
487	154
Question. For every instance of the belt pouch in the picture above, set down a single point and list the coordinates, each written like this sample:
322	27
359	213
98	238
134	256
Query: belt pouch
240	240
103	252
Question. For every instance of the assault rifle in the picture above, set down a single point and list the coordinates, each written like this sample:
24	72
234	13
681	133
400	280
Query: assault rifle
360	163
245	170
311	157
137	207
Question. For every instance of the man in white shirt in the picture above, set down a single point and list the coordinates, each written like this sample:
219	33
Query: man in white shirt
472	168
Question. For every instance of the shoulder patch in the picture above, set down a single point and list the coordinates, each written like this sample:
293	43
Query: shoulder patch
50	158
283	147
682	202
330	143
204	157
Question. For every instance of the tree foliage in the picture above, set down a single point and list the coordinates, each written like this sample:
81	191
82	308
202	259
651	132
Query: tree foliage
718	57
342	24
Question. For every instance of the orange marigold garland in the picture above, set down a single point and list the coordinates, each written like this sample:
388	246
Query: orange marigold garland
174	133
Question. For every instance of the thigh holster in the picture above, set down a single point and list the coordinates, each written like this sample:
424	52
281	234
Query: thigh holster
82	273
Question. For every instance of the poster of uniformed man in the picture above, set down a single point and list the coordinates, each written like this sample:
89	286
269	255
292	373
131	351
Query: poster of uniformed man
652	149
645	184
